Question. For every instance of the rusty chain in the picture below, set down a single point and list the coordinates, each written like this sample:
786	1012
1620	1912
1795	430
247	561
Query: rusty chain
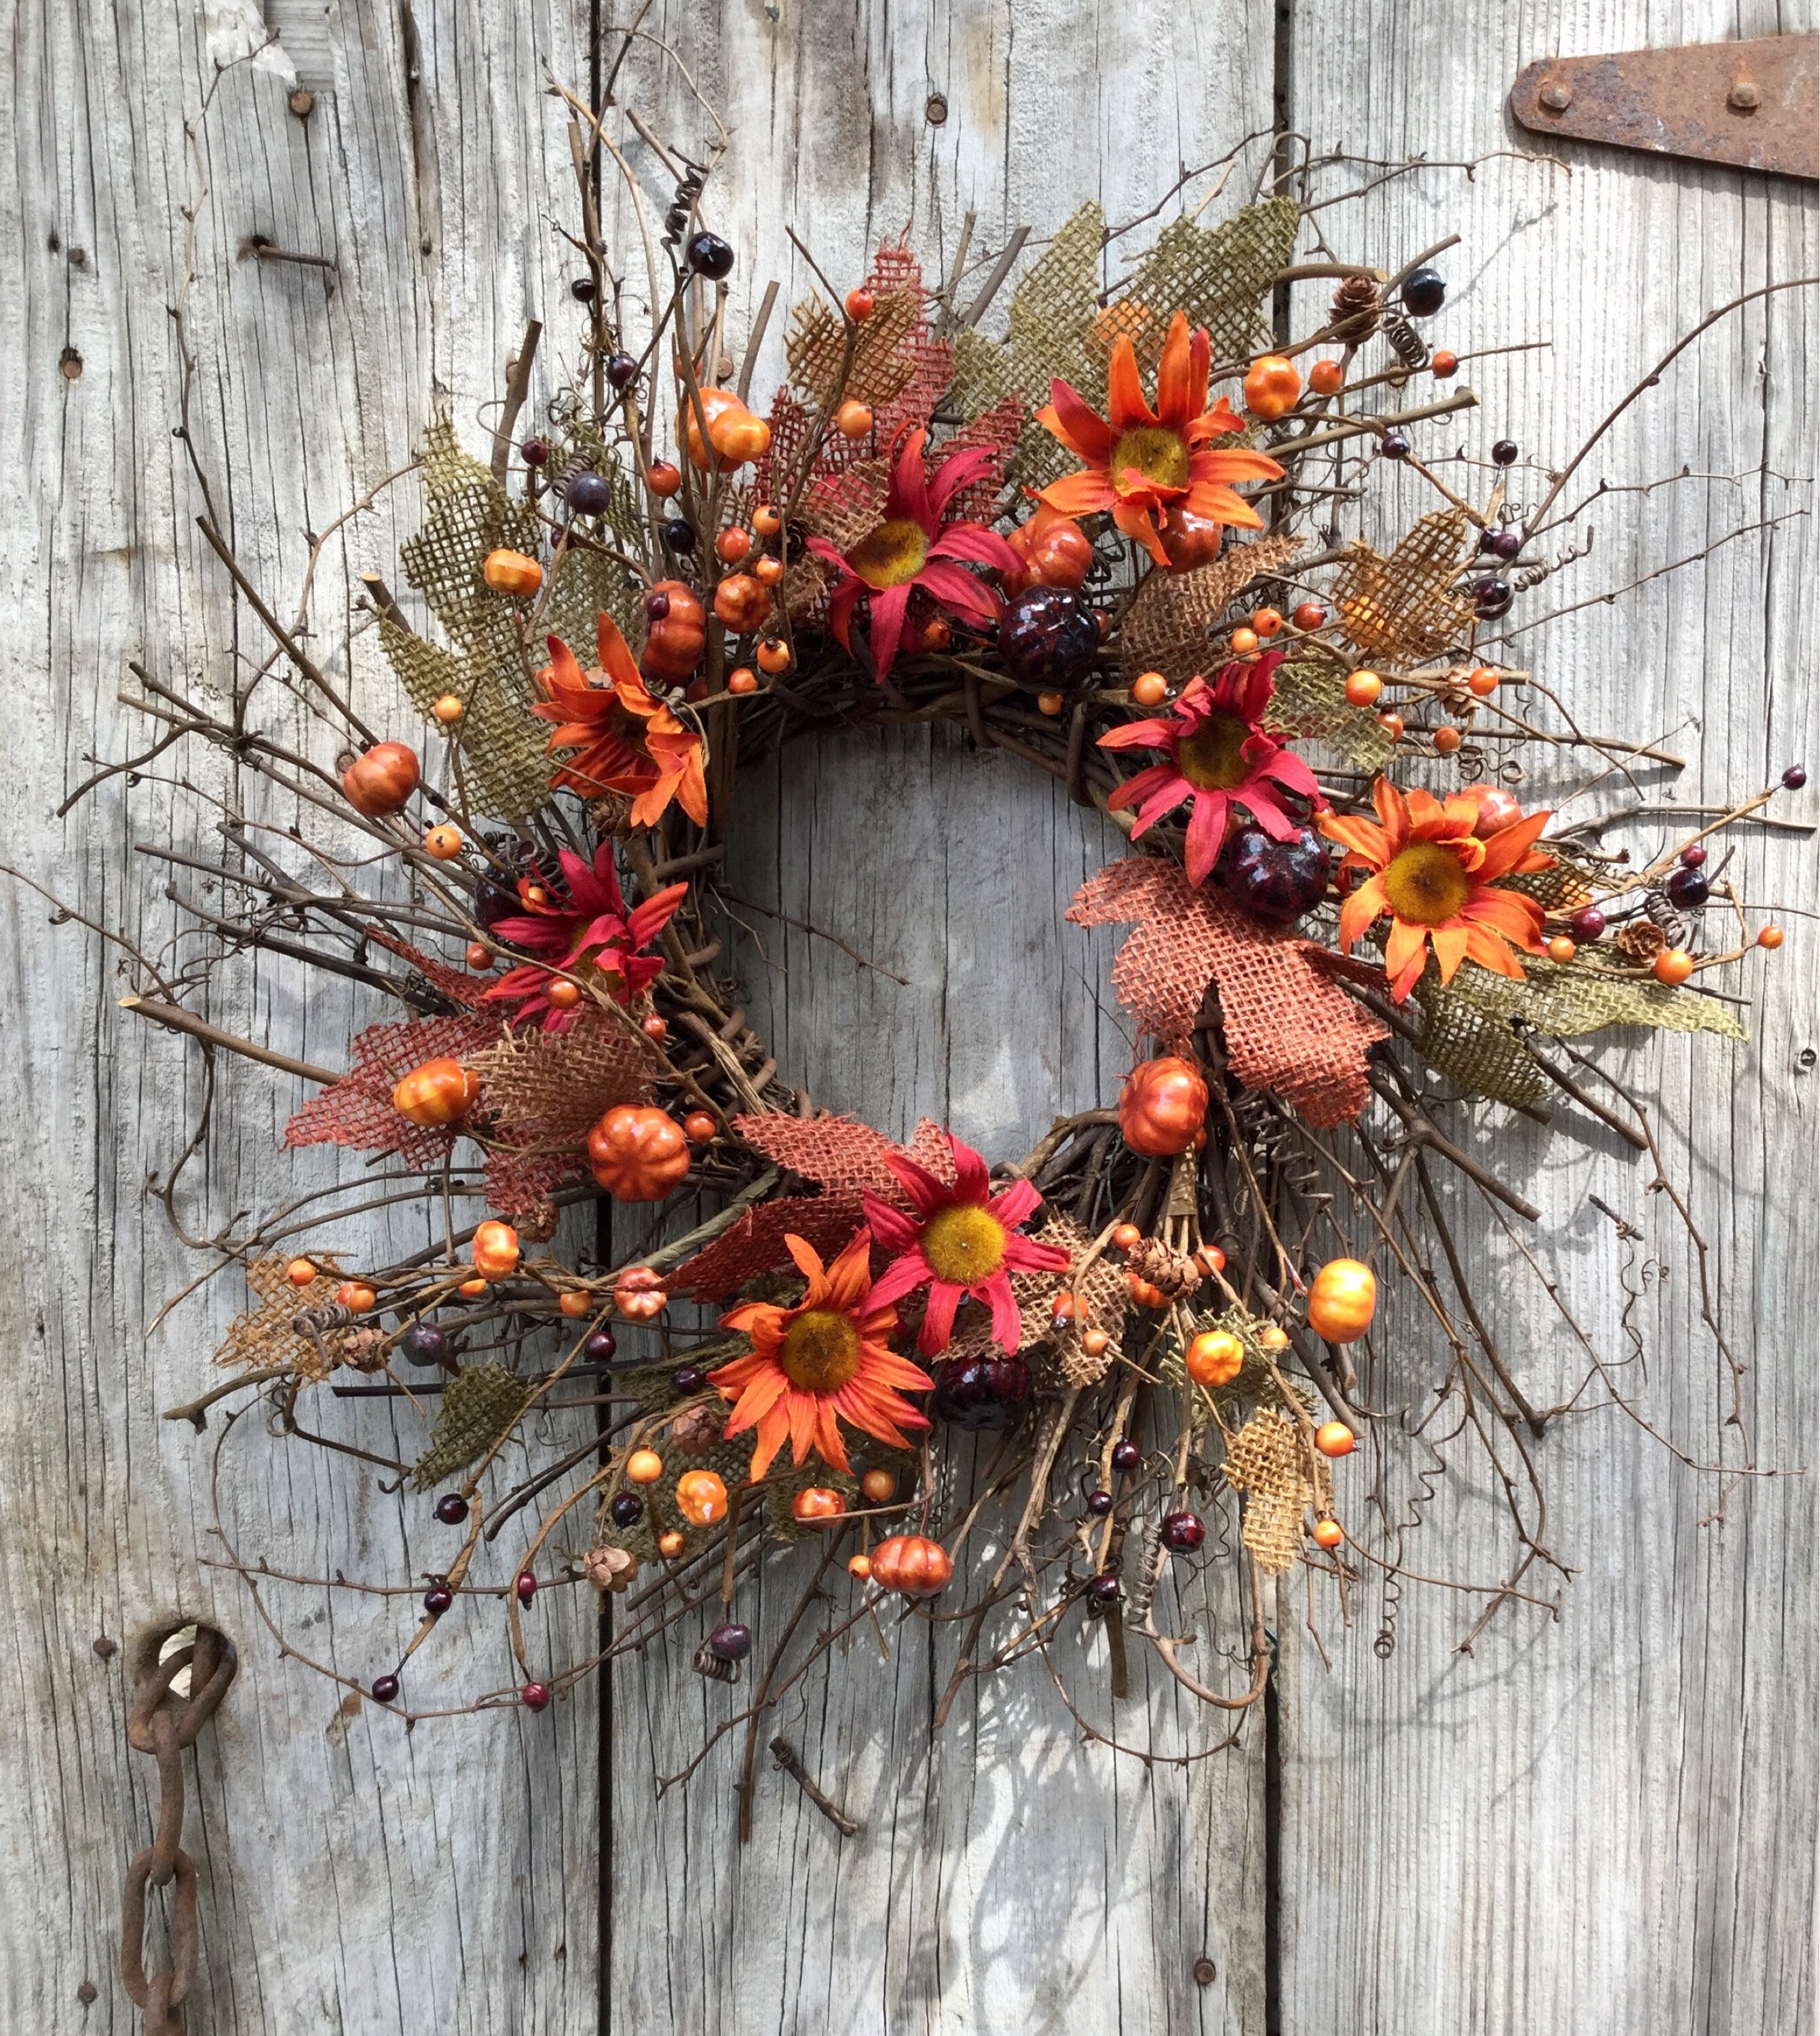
163	1733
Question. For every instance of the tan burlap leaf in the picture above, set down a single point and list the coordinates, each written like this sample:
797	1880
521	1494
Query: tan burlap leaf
482	1404
1577	997
550	1088
882	365
1400	607
1310	701
1476	1046
263	1335
1268	1462
1219	276
1167	628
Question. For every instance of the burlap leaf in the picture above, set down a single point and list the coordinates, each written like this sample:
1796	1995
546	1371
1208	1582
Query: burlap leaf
840	1152
1219	276
1400	607
1056	1356
1475	1046
482	1406
755	1243
1569	998
1167	626
1269	1462
357	1110
550	1088
1289	1029
1310	701
264	1335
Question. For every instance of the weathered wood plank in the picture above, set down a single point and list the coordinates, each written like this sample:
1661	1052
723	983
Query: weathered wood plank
1606	1822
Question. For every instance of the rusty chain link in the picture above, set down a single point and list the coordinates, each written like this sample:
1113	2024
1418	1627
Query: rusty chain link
164	1734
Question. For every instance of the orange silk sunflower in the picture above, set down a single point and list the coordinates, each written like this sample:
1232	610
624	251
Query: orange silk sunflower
1141	462
624	738
821	1363
1436	880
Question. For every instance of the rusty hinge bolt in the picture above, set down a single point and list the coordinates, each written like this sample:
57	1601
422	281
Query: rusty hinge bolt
1743	97
1557	96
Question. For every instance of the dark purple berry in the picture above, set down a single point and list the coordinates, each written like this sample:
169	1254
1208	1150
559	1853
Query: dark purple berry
385	1688
424	1344
1276	881
451	1509
1395	446
1183	1533
1693	855
731	1642
1687	888
1589	922
494	901
438	1599
1505	543
535	452
627	1510
526	1586
1504	453
1794	777
1048	639
1105	1589
535	1695
679	538
688	1379
1099	1504
1424	292
1126	1455
1492	598
600	1346
657	608
587	494
620	369
982	1392
582	289
708	255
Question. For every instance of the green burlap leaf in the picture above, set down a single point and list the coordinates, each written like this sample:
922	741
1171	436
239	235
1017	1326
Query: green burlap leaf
1310	701
482	1403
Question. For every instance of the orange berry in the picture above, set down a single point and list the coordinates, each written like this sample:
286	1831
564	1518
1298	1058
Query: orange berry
743	679
1273	1336
1244	642
1049	703
1326	377
766	521
1391	724
1310	615
1771	936
698	1127
471	1290
1150	689
1334	1438
1095	1342
671	1544
1444	365
773	655
564	996
768	570
356	1296
818	1502
1561	948
860	1567
664	479
1484	681
448	709
732	545
644	1467
1211	1259
1328	1533
1267	621
854	419
443	841
1126	1235
1363	687
1674	967
1067	1306
577	1302
654	1027
479	956
878	1485
859	305
300	1272
1271	385
1446	740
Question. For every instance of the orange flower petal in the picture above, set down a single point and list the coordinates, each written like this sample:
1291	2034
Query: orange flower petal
1393	811
1364	838
616	660
1408	943
1506	849
1125	408
1490	951
1081	494
1360	909
1180	391
1450	946
1140	526
1220	505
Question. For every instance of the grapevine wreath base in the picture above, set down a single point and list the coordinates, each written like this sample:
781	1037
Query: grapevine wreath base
1111	544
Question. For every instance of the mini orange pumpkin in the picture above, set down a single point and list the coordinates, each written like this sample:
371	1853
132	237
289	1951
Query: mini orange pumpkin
912	1564
734	433
496	1250
1214	1358
1342	1301
638	1294
742	602
816	1502
701	1497
639	1153
676	632
440	1091
1271	385
382	780
1161	1107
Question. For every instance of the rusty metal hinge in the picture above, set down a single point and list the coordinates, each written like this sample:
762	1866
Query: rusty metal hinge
1756	104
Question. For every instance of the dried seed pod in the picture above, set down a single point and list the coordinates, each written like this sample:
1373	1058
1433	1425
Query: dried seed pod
361	1350
1174	1272
609	1568
1358	309
699	1430
611	813
538	1224
1641	941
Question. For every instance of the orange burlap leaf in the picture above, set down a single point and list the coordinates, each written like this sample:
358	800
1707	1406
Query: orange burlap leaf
1288	1029
755	1243
357	1110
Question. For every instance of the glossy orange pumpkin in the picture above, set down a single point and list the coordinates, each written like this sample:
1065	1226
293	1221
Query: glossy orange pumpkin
1271	385
638	1294
912	1564
1497	810
1214	1358
1189	540
1145	1293
382	780
742	602
701	1497
735	435
676	632
639	1153
1161	1107
496	1250
512	572
440	1091
1343	1300
1056	552
816	1502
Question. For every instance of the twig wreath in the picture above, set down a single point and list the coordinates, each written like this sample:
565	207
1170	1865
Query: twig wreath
1107	544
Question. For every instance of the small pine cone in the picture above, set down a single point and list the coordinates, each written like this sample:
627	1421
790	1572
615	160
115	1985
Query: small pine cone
1358	309
699	1430
611	813
537	1224
1641	941
609	1568
361	1349
1173	1273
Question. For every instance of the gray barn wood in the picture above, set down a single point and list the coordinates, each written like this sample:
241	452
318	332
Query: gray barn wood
1607	1821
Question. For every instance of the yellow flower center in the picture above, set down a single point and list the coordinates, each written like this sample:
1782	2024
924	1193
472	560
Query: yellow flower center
820	1351
964	1244
1426	883
894	553
1212	759
1158	454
